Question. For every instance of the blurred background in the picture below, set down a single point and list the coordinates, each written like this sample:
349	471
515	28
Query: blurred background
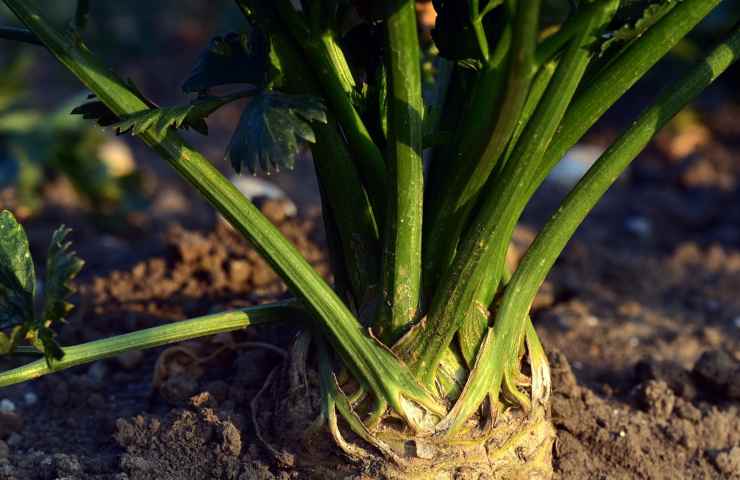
57	168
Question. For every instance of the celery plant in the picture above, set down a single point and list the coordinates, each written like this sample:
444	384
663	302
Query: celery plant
423	324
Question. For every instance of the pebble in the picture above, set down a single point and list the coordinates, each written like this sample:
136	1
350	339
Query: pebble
14	439
728	462
639	226
30	398
10	422
7	406
97	372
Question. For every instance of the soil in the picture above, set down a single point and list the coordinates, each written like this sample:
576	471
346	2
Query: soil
641	317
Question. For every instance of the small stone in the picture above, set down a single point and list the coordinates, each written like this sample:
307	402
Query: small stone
10	422
131	359
239	271
639	226
67	464
231	439
14	440
728	463
97	372
424	450
659	399
7	406
716	368
30	398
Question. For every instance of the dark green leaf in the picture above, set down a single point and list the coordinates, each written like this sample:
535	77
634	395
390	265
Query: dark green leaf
62	265
271	129
233	58
161	119
453	31
635	18
17	275
95	109
192	115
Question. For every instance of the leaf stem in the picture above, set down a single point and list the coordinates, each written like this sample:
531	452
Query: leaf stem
402	240
510	325
474	277
614	81
154	337
369	361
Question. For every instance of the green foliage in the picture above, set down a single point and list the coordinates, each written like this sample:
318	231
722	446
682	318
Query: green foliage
62	265
454	33
18	289
17	275
271	129
161	119
634	19
235	58
192	115
94	109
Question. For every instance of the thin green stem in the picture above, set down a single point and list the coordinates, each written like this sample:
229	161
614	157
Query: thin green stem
521	70
350	208
402	240
615	80
329	65
335	78
369	361
444	216
480	259
155	337
474	326
510	326
550	46
339	179
473	169
476	20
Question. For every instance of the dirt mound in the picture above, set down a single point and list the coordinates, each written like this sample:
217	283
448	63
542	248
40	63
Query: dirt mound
656	435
